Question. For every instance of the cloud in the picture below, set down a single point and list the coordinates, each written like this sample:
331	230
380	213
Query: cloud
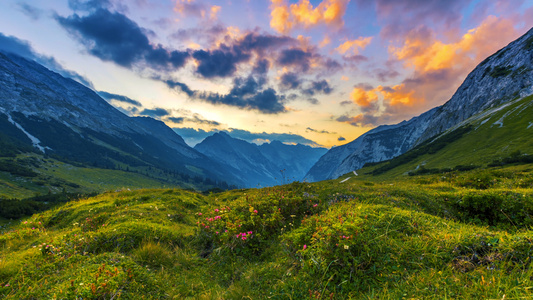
360	120
354	46
296	58
218	63
155	113
30	11
124	99
192	8
248	94
285	18
309	129
195	118
172	84
81	5
363	97
321	86
290	81
114	37
13	45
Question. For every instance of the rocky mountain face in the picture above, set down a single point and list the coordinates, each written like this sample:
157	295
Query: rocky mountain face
266	165
63	118
506	75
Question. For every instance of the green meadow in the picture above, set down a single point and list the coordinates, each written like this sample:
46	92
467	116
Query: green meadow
448	235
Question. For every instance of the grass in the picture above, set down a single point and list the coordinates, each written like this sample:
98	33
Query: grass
459	235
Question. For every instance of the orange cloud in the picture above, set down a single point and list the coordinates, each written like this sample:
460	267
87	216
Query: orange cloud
214	12
326	41
471	48
303	14
354	45
363	98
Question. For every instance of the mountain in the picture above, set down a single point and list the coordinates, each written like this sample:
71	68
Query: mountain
495	137
266	165
62	119
502	77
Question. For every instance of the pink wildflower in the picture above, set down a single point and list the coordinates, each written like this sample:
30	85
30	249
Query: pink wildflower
315	205
305	247
216	209
244	238
249	232
199	214
255	211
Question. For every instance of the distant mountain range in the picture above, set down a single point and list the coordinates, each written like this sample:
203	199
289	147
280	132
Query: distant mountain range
52	116
502	77
266	165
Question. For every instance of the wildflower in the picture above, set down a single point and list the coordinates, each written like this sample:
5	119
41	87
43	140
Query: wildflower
305	247
249	232
199	213
255	211
217	232
346	247
315	205
216	209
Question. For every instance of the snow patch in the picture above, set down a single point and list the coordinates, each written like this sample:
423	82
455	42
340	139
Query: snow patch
530	125
35	141
355	173
346	179
484	121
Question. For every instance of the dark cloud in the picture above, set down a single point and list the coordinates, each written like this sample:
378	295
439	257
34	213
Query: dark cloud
109	97
290	81
30	11
177	85
340	139
177	120
88	5
355	58
219	63
13	45
155	113
260	43
332	65
346	102
364	86
248	94
197	119
309	129
208	35
321	86
261	67
114	37
296	58
361	120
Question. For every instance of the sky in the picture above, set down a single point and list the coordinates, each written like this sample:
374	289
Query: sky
319	73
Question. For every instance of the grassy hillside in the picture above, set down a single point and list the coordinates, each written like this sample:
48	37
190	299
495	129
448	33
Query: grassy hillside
29	174
466	235
495	137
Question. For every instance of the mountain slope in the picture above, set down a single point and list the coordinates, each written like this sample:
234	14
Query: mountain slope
496	136
266	165
64	119
500	78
